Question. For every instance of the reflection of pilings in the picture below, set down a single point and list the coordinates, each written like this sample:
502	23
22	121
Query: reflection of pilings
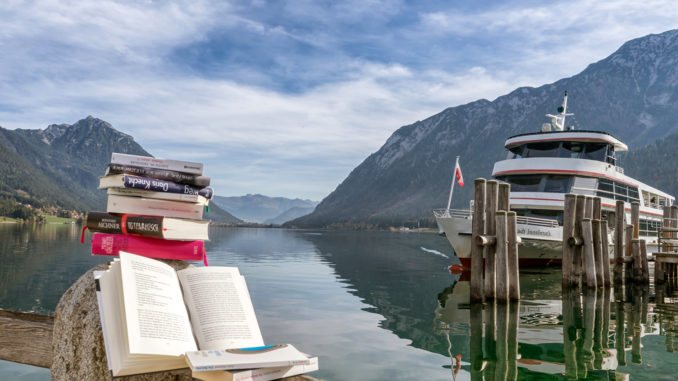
476	341
490	340
502	342
570	304
598	332
620	332
606	319
512	341
636	356
589	323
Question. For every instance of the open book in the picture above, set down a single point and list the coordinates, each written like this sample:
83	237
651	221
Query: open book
152	315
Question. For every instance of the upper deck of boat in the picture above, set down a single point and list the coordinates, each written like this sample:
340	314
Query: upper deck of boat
566	136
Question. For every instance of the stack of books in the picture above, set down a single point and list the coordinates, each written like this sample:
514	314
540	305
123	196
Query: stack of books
155	209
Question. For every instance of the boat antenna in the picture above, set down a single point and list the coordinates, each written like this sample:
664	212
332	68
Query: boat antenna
558	121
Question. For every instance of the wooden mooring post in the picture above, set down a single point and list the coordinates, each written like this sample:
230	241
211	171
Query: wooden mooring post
666	260
495	238
585	251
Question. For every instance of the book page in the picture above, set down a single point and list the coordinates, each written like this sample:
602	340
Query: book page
157	321
220	308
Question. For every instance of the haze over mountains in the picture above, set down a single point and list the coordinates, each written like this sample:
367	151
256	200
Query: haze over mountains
632	94
263	209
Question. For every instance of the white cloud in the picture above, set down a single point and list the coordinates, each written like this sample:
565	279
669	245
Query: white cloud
114	60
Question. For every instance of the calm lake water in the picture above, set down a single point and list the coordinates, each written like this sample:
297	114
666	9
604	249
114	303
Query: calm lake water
383	306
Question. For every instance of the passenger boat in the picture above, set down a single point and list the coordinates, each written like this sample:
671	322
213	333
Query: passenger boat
541	168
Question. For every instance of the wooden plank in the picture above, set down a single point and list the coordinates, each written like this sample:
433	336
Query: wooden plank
619	245
606	255
577	261
598	251
514	272
501	265
477	251
490	229
644	264
568	231
597	208
637	264
503	202
635	219
589	260
26	338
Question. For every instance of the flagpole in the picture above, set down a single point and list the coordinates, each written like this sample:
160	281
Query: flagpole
454	179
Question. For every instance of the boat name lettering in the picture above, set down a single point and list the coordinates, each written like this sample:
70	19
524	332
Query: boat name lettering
534	232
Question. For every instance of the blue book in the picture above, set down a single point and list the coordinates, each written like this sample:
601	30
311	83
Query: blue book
152	185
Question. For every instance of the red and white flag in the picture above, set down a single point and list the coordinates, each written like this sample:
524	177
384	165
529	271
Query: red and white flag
457	174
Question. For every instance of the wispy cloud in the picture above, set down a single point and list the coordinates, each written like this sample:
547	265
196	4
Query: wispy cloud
286	98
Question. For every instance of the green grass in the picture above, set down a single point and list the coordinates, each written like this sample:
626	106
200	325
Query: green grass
7	219
57	220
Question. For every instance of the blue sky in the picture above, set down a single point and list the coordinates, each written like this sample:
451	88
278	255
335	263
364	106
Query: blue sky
285	98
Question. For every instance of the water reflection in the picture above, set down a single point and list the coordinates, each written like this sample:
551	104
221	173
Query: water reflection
586	335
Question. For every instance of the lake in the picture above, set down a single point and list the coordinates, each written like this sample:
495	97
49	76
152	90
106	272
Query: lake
379	305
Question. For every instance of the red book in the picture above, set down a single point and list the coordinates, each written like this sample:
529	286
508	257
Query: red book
112	244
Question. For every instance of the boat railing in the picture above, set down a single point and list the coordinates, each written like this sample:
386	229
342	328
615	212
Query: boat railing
459	213
520	220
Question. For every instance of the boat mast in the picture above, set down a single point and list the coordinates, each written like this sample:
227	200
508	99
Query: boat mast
558	121
454	179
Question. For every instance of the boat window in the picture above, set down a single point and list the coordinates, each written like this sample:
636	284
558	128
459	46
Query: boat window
557	183
523	183
605	188
541	213
648	227
633	193
515	152
541	149
584	185
596	151
571	150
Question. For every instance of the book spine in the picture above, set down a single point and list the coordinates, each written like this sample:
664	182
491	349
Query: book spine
156	185
112	244
147	161
153	207
149	226
162	195
162	174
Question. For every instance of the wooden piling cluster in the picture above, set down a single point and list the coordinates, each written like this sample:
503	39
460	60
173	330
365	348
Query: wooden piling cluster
666	260
585	243
495	239
630	252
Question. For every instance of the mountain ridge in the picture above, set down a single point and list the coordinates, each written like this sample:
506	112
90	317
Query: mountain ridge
629	94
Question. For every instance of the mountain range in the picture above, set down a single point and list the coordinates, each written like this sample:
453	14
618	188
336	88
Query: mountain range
57	168
632	94
263	209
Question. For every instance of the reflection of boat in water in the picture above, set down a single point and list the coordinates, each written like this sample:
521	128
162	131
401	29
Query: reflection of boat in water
541	168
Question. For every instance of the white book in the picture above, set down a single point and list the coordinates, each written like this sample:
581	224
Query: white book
149	324
259	374
246	358
151	162
196	198
153	207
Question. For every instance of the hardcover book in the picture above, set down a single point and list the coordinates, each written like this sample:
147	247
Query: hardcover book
153	207
258	374
150	162
246	358
162	174
151	184
148	226
113	244
151	315
161	195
